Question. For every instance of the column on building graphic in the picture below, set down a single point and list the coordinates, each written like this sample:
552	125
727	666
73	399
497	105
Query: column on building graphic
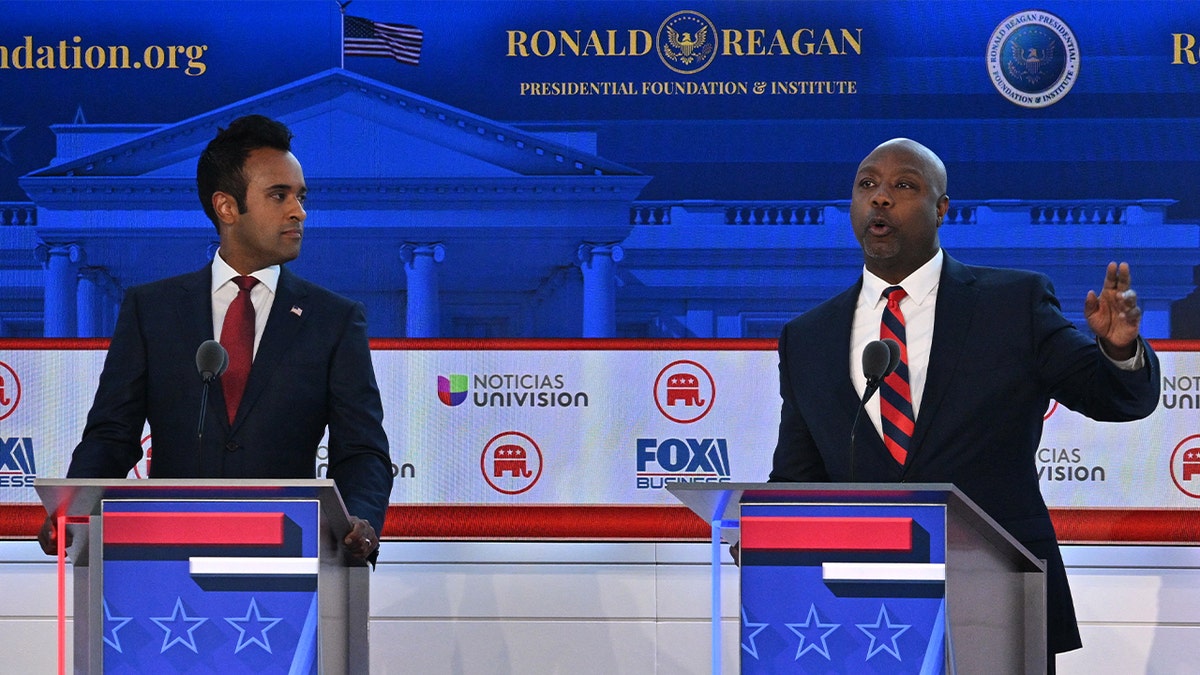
62	262
599	265
97	302
422	312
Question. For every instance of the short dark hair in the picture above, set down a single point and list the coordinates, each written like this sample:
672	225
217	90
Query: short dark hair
221	163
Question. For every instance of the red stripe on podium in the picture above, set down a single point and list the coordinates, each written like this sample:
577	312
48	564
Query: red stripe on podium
440	522
193	529
826	533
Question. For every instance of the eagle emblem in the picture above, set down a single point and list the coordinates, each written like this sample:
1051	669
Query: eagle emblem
687	47
1033	56
1033	59
687	42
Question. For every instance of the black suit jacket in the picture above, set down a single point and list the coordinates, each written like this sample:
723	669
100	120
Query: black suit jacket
1001	350
312	369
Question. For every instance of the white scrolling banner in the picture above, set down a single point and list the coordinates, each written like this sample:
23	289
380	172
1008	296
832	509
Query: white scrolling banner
586	426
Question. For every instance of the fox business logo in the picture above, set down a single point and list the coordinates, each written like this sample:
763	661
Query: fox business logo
681	460
17	466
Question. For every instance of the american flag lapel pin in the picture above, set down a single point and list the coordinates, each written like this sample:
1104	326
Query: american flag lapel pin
296	310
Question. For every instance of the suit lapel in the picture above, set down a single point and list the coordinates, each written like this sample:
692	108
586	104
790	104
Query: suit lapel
195	305
286	317
847	399
956	305
832	366
196	319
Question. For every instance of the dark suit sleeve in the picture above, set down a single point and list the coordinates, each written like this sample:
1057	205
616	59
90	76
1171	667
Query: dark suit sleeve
111	443
358	447
1078	374
796	456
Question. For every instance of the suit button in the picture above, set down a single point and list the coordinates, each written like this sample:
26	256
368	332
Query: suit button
231	447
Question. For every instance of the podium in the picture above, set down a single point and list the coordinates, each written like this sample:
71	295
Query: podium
902	578
210	575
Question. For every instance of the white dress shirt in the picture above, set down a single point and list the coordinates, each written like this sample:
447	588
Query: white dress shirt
918	308
262	296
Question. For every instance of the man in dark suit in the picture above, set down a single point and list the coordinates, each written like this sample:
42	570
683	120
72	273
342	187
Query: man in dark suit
985	350
301	363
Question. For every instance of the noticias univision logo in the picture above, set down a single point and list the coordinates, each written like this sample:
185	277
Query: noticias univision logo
452	390
510	390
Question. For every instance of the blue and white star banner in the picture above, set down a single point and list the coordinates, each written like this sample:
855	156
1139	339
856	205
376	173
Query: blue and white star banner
210	586
843	588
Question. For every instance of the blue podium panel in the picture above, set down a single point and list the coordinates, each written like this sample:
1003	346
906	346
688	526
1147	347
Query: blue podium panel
843	588
210	586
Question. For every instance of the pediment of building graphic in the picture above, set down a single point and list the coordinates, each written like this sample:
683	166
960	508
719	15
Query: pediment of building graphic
346	126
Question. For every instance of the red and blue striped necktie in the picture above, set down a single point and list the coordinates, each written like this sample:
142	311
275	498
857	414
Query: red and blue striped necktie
895	395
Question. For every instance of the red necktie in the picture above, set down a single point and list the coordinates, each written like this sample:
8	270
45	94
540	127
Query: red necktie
895	395
237	337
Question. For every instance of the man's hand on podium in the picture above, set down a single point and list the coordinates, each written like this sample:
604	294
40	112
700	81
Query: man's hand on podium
48	536
362	540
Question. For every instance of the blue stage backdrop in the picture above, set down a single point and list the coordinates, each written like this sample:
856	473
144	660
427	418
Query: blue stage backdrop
628	169
512	177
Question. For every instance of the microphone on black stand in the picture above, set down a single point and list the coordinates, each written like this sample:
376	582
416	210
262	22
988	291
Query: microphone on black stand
879	359
211	362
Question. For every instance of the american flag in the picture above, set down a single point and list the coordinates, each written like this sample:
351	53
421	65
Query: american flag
363	37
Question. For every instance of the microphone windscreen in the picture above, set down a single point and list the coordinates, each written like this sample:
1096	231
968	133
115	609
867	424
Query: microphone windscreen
211	360
893	355
876	357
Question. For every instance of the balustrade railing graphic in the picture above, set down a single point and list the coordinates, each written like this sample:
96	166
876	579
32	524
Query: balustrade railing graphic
961	212
17	213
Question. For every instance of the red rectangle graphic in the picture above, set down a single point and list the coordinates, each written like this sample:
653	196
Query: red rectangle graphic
193	529
787	533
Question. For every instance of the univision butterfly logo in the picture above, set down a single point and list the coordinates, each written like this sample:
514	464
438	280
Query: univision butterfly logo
452	390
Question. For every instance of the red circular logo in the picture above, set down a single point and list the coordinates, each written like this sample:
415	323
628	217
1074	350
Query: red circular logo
511	463
684	391
142	468
1050	410
1185	466
10	390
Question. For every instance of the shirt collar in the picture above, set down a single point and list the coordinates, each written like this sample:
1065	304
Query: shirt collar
222	274
919	285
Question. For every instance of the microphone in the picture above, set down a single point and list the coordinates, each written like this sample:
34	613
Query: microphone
211	362
879	359
876	358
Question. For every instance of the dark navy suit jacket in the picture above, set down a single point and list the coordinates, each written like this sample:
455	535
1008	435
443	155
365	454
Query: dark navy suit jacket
312	369
1001	350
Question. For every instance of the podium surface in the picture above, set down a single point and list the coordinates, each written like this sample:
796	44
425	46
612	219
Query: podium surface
884	577
237	575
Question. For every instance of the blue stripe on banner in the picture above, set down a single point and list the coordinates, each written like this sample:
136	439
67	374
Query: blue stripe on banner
305	662
935	651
